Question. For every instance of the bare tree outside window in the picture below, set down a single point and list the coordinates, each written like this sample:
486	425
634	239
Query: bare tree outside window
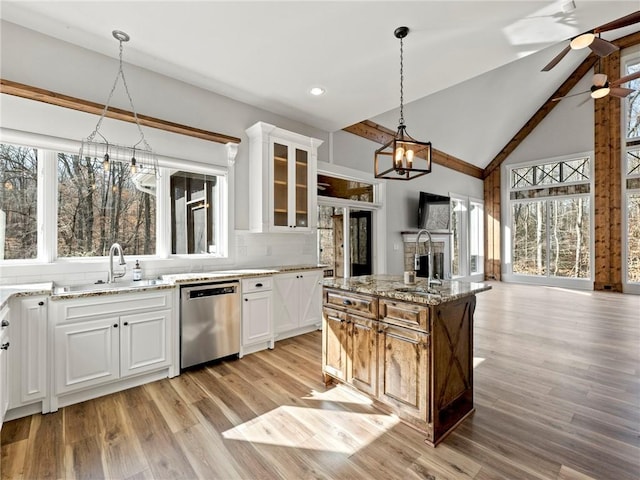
551	235
97	207
18	201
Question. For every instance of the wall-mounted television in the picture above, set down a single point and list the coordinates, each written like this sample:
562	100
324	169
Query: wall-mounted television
434	212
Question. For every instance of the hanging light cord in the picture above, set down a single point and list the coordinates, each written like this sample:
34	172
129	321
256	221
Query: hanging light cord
106	107
401	82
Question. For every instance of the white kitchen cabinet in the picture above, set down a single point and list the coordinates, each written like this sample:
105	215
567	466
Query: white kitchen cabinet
107	340
257	315
144	344
86	354
32	342
27	358
283	181
297	302
4	372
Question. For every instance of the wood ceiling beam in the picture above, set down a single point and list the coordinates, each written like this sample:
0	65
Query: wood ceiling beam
545	109
382	135
60	100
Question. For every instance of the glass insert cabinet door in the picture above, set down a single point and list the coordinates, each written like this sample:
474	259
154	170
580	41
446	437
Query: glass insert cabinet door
290	186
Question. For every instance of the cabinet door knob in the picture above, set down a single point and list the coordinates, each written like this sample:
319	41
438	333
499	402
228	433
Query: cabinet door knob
4	346
126	323
246	299
41	303
115	325
5	323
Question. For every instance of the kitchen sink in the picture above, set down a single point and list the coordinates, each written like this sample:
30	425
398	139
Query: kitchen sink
104	286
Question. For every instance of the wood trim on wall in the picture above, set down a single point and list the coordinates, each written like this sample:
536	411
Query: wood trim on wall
382	135
493	227
607	186
61	100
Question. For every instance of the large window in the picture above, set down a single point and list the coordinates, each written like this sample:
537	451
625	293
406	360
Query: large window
97	207
631	181
551	218
194	213
467	238
55	204
18	202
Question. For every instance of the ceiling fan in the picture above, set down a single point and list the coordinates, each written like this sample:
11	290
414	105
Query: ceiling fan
600	47
602	87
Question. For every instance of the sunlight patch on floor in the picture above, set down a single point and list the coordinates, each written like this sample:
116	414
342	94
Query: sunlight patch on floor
331	428
568	290
340	393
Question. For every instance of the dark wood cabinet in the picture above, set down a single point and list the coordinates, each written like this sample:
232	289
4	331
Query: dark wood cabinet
403	357
413	359
362	361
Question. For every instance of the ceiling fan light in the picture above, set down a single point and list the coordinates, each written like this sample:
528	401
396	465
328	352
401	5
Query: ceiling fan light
600	79
600	92
582	41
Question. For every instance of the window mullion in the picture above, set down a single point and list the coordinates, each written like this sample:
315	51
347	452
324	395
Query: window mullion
47	206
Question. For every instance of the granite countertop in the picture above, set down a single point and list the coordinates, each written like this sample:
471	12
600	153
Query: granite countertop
7	292
393	286
168	281
180	278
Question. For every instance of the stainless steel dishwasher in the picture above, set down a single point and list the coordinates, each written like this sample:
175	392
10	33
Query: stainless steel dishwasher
209	322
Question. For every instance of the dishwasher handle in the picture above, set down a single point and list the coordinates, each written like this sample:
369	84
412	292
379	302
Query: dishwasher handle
213	291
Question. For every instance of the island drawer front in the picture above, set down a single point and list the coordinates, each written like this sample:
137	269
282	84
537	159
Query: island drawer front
352	302
404	314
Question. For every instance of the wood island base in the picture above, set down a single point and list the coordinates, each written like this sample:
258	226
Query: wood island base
413	359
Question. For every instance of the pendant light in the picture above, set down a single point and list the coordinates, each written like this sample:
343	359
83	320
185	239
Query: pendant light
403	158
139	156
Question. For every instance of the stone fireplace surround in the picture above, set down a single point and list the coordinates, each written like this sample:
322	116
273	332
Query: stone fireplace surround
441	244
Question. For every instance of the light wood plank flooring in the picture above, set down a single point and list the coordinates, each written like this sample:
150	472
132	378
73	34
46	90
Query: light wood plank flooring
557	396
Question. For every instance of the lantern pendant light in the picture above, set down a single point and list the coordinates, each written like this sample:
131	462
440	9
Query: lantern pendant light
403	158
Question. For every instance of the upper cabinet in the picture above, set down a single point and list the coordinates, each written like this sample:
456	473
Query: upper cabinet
282	183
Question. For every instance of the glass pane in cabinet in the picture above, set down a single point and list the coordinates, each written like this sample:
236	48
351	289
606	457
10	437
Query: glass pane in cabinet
280	185
302	215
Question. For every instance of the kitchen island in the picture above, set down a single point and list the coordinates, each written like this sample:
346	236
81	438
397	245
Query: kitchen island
409	347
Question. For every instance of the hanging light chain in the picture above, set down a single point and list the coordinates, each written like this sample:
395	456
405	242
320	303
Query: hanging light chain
401	82
106	106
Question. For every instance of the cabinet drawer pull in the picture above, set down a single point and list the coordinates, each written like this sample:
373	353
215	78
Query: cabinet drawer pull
347	302
41	303
5	323
5	346
258	285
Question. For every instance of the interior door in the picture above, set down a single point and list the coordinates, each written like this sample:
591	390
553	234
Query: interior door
360	242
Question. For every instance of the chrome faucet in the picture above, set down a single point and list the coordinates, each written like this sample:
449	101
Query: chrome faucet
112	276
416	259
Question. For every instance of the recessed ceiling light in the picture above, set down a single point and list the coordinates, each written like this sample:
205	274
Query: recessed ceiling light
317	91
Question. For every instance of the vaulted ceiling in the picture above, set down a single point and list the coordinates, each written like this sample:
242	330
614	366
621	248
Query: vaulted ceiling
269	54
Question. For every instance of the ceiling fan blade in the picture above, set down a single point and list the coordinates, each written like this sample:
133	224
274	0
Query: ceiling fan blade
602	48
557	99
626	78
620	92
556	59
620	22
583	102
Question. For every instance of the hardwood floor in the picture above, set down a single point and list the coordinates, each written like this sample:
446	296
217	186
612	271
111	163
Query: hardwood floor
557	395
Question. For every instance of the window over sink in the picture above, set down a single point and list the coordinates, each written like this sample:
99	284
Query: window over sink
54	204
